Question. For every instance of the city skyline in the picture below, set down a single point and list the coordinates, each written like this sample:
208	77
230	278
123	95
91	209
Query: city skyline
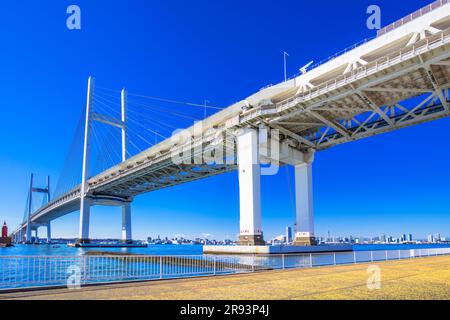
387	183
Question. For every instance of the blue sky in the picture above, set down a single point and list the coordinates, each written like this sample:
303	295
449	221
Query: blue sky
221	51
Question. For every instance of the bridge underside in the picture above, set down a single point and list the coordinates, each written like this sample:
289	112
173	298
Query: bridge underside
411	88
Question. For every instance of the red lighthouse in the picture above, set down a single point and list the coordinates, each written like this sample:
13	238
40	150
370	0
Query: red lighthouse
4	230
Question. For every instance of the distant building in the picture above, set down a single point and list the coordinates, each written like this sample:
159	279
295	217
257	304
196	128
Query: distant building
5	241
410	237
279	239
288	234
430	238
4	230
383	238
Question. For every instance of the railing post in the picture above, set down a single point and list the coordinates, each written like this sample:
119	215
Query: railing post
160	267
371	256
399	255
386	255
214	265
334	258
354	257
310	260
282	258
85	268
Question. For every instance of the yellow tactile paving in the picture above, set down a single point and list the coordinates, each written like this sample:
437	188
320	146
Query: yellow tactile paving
424	278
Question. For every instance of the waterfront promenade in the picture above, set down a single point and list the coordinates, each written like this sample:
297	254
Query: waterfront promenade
421	278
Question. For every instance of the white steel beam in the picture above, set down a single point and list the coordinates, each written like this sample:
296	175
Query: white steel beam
330	123
291	134
400	90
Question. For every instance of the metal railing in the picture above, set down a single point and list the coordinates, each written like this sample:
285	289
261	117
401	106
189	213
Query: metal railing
428	8
44	271
432	6
381	63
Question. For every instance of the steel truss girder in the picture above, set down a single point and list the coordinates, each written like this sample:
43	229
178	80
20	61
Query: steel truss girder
370	86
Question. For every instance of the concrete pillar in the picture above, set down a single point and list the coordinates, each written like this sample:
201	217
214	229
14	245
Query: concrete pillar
30	209
249	189
124	111
28	236
85	205
304	205
85	212
126	223
49	233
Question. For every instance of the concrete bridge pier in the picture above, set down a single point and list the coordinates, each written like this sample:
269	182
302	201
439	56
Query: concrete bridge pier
28	234
304	211
304	205
85	211
249	189
126	223
49	233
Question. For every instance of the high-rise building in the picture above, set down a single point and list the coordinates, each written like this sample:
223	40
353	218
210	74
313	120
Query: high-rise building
410	237
288	234
383	238
430	238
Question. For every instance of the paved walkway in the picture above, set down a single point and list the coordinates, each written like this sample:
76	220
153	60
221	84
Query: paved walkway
422	278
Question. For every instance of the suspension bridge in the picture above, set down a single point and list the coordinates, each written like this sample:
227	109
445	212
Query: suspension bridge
127	144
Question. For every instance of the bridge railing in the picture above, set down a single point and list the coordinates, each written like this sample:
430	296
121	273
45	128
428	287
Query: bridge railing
428	8
75	271
379	64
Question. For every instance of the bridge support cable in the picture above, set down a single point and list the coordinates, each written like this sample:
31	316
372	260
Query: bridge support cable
70	175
